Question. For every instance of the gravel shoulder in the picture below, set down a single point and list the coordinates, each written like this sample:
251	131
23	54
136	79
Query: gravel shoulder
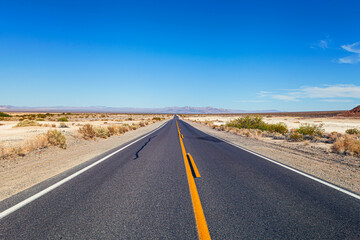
338	169
21	173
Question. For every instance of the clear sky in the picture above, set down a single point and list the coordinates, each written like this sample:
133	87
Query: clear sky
252	55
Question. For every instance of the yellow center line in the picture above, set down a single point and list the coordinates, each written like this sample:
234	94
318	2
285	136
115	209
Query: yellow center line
201	224
196	171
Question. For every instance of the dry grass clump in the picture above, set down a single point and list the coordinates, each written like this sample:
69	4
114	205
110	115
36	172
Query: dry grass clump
38	142
27	123
295	136
347	144
102	132
87	131
333	136
113	130
51	138
56	138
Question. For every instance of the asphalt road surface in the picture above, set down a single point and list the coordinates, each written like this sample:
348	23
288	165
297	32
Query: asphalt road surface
142	192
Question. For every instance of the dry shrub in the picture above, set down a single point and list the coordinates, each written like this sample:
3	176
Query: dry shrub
122	129
38	142
295	137
102	132
333	136
248	133
222	128
113	130
51	138
353	131
311	129
27	123
142	124
87	131
347	144
56	138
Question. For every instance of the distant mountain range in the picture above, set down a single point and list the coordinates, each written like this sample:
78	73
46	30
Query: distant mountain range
103	109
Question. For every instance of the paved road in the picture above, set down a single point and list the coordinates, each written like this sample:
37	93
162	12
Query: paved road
142	192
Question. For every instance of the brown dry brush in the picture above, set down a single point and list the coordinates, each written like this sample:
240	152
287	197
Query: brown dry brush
51	138
347	144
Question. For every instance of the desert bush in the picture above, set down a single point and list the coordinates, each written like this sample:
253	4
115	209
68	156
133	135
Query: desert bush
142	124
40	119
38	142
347	144
333	136
56	138
87	131
353	131
311	129
256	122
123	129
40	115
113	130
129	119
277	127
248	122
27	123
102	132
2	114
295	137
63	119
156	118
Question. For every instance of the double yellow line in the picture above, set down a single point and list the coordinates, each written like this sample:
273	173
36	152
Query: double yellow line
201	224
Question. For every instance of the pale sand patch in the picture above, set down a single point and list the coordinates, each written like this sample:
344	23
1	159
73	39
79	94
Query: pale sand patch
338	169
11	136
21	173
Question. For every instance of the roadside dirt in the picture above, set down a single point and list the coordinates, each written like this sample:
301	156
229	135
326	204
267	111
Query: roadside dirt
338	169
23	172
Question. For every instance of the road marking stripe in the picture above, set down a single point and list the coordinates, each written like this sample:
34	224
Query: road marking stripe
201	224
52	187
290	168
196	171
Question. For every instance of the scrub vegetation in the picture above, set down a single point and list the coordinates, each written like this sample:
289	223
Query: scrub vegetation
254	126
72	127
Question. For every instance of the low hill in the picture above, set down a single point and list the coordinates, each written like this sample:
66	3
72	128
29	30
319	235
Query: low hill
355	112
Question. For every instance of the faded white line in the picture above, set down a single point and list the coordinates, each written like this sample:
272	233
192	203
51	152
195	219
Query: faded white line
290	168
52	187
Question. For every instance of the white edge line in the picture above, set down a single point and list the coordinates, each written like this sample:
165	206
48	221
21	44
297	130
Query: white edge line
290	168
52	187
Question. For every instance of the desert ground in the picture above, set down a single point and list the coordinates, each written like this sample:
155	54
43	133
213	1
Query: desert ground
27	158
13	136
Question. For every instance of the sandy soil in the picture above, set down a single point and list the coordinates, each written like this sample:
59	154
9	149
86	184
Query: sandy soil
23	172
341	170
331	124
11	136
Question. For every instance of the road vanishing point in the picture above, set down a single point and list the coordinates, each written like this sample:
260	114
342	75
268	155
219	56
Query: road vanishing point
177	182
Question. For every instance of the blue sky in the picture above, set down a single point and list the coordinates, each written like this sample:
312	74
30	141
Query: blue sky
250	55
